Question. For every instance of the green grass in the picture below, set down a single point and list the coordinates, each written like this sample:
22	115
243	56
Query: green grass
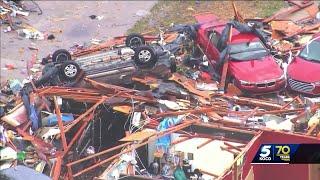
164	13
267	10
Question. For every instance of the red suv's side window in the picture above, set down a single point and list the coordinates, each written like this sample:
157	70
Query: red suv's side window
214	38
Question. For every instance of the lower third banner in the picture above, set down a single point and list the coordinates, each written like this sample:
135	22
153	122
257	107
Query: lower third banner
288	154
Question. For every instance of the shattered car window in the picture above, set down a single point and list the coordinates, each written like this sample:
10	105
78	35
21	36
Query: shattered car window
313	54
247	51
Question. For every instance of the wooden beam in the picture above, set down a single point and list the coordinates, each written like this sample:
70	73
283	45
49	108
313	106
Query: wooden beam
208	173
57	168
252	113
222	84
230	151
205	143
286	105
311	129
232	146
180	140
313	109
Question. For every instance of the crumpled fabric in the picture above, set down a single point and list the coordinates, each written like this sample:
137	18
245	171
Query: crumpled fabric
242	28
31	109
179	174
34	118
3	136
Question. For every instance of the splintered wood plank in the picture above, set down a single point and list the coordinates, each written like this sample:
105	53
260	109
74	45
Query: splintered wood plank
224	75
124	109
189	84
139	136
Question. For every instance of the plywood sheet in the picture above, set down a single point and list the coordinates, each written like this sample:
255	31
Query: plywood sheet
139	136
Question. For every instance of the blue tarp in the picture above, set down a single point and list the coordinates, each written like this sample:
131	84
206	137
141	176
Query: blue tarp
166	123
52	120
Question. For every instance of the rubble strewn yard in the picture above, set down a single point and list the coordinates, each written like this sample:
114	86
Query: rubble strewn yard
233	93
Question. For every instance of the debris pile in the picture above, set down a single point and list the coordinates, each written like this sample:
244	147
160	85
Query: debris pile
194	102
12	14
293	27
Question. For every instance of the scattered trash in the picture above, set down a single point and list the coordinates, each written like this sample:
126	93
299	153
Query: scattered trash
15	86
10	13
142	13
31	34
51	37
8	29
93	16
96	41
99	17
96	17
10	66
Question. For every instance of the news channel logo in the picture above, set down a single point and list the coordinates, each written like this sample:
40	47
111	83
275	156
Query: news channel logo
275	153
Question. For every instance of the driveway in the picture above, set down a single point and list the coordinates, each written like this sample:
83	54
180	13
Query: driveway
69	22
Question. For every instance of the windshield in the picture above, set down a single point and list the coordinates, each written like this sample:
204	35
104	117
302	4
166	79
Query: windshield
247	51
311	53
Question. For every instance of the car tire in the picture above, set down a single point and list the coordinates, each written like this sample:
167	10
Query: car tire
69	70
135	40
61	55
145	56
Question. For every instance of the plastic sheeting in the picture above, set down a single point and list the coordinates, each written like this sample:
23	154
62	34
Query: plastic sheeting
166	123
242	28
33	115
52	120
22	173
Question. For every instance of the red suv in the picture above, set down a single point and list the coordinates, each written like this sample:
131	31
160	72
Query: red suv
304	70
251	66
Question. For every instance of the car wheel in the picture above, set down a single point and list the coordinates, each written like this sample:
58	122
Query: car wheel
135	40
145	56
61	56
70	70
